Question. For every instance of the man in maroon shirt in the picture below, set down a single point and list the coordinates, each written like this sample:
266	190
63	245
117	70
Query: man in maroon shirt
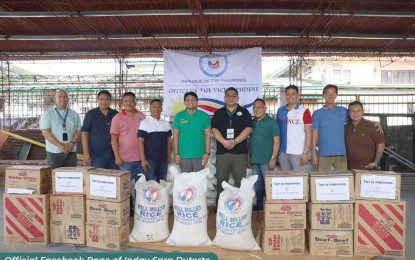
364	145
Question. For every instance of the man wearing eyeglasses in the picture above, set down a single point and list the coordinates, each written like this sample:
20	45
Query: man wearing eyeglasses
231	126
264	144
124	140
191	136
96	138
61	128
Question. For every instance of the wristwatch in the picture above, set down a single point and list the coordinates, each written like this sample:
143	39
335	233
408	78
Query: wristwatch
275	158
235	141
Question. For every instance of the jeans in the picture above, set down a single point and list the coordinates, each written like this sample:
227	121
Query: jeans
135	169
157	170
260	170
99	162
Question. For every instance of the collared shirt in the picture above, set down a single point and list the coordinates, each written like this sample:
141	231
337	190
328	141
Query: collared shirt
155	133
241	119
126	127
361	143
261	141
330	126
51	120
98	126
192	133
292	124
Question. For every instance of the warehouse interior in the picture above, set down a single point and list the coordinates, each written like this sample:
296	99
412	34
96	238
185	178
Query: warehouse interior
130	32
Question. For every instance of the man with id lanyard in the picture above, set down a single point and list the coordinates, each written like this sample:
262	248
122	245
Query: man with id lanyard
231	125
61	127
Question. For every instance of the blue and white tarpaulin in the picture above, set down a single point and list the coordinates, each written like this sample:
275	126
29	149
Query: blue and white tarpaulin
209	75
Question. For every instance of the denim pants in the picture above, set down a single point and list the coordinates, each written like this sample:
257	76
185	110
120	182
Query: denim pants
156	170
99	162
260	170
135	169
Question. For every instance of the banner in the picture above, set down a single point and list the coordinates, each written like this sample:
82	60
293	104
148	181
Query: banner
209	75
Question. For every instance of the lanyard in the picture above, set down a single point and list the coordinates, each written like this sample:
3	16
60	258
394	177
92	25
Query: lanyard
230	115
65	116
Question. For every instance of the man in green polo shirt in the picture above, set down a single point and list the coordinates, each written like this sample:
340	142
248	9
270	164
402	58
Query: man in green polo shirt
264	144
191	136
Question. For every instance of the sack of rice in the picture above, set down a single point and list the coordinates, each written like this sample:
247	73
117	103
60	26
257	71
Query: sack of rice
190	209
151	211
233	220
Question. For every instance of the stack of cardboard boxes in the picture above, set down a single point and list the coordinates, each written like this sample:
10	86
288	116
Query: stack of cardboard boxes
380	215
331	213
108	208
67	205
26	205
285	213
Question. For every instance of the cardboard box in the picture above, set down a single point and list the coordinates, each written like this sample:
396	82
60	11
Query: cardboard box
108	213
377	185
70	179
29	177
67	231
108	185
286	186
331	243
106	237
331	216
285	215
26	219
332	187
67	206
380	228
283	242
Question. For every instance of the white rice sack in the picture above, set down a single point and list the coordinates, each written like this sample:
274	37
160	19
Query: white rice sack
170	177
210	185
151	211
233	220
211	194
190	209
211	202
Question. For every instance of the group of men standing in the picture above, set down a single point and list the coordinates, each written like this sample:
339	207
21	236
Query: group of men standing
127	140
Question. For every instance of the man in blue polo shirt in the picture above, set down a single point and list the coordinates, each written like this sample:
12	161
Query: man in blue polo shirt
61	128
96	138
154	143
328	133
231	126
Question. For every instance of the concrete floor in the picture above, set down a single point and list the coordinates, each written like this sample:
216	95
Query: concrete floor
407	194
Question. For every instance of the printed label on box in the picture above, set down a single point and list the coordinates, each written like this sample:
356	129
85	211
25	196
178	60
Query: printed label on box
69	182
380	187
287	188
103	186
332	189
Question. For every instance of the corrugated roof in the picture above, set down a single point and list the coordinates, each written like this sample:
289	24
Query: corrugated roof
85	28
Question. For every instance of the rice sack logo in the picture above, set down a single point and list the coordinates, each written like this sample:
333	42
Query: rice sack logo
213	65
152	195
187	195
233	205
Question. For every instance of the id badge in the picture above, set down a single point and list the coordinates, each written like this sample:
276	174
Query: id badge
64	136
230	133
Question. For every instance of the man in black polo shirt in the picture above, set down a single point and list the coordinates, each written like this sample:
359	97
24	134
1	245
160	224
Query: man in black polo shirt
96	138
231	125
